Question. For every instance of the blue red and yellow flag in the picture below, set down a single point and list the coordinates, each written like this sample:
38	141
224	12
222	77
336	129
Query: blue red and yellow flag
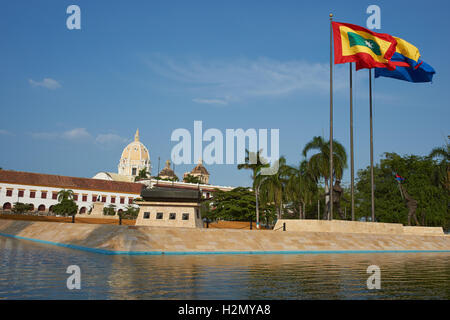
423	72
366	48
406	54
409	66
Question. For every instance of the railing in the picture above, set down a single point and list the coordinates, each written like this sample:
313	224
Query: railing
66	219
28	213
223	224
282	227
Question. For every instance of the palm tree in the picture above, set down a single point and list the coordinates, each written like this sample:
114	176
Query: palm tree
65	195
143	174
272	187
66	204
191	179
319	163
254	162
301	187
442	175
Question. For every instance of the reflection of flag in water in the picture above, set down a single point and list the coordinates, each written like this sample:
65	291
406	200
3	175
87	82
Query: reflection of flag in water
399	178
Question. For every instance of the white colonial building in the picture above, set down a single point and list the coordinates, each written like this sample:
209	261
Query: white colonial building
110	189
41	190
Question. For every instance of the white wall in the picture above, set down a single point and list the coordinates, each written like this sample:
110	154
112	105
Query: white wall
37	201
102	176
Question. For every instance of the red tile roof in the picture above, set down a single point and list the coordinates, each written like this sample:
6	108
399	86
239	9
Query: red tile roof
200	168
64	182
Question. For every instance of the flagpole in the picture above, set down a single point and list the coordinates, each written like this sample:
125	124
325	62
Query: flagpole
352	168
371	148
330	214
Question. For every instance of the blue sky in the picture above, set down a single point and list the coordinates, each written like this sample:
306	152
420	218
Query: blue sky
72	99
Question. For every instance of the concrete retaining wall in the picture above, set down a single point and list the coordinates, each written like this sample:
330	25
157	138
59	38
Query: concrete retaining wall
166	208
423	230
116	239
355	227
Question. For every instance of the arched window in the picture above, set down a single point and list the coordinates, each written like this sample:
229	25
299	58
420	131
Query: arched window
41	208
83	210
7	206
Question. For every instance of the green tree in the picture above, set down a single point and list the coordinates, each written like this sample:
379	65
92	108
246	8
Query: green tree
319	162
129	213
254	162
441	173
235	205
272	187
175	178
66	207
20	207
191	179
432	200
142	175
110	210
300	189
65	195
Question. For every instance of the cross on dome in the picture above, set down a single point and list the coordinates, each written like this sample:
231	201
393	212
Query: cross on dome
135	157
136	136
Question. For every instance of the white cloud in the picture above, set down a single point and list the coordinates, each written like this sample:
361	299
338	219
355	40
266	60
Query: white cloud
210	101
110	138
74	134
77	133
48	83
81	134
5	133
45	135
225	81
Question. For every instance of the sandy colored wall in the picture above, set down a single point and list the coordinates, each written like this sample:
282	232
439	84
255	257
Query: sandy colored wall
192	209
355	227
423	230
142	239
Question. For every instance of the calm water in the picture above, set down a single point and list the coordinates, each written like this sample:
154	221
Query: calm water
37	271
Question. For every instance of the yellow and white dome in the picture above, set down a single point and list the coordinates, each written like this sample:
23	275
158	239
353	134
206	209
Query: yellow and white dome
135	157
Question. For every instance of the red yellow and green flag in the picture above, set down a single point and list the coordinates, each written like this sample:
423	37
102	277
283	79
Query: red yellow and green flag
368	49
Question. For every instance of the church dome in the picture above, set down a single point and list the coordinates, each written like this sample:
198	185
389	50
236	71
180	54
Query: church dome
167	172
199	172
135	157
200	169
135	151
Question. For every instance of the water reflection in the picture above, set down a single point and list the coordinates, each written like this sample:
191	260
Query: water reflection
34	271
